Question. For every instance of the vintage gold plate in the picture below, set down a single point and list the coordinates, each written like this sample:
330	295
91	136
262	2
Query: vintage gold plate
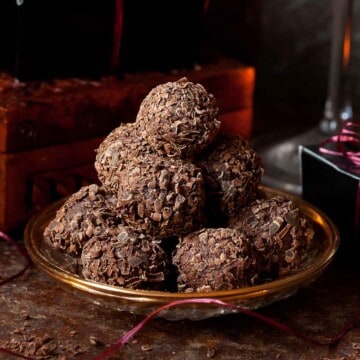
63	270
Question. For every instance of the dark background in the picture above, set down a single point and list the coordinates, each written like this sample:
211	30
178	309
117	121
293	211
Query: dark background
287	41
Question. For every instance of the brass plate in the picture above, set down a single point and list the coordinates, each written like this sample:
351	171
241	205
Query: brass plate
62	268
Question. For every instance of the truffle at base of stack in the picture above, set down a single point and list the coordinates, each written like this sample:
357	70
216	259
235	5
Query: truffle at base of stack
127	259
88	212
279	231
214	260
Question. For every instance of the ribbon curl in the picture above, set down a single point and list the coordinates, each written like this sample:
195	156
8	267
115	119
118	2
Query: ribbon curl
22	252
347	143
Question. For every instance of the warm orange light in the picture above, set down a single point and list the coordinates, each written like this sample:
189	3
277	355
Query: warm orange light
347	45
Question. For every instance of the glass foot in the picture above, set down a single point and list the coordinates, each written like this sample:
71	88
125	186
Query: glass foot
280	154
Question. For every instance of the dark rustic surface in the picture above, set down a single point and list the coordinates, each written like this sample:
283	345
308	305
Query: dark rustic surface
35	305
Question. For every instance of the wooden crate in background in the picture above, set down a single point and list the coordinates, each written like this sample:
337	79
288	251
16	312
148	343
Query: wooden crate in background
49	131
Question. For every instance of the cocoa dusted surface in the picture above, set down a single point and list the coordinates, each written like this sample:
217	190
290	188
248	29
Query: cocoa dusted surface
37	314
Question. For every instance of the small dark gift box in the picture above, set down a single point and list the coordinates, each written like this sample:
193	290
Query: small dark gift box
332	183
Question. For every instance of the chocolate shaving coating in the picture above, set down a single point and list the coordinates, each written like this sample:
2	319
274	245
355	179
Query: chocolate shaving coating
168	175
123	144
86	213
232	172
161	196
179	119
280	231
126	259
214	259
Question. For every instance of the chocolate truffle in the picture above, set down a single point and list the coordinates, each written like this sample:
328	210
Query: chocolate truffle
179	119
86	213
232	172
280	232
214	259
122	145
125	259
161	196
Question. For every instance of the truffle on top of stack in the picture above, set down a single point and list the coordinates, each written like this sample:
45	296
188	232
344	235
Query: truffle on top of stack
280	232
179	119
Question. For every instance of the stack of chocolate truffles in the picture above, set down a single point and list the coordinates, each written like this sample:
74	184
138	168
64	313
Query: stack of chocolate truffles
178	205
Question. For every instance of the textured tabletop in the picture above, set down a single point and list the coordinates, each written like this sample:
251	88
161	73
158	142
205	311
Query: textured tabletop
37	316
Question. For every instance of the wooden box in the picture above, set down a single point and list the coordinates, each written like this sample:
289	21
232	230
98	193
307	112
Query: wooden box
49	131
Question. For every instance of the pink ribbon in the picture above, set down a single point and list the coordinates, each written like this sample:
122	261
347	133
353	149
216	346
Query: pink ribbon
274	323
347	143
21	252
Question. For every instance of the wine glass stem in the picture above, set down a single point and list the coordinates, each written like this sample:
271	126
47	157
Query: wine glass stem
338	107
